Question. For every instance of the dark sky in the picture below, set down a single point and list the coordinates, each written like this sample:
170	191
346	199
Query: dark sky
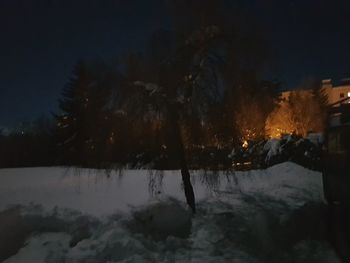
42	39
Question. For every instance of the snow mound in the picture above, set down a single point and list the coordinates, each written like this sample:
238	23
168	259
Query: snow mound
163	219
220	232
288	183
47	247
273	215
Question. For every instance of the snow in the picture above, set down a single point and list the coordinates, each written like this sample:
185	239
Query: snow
87	190
272	147
163	219
41	248
315	138
268	215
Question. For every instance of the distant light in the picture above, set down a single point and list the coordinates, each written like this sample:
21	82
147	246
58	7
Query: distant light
245	144
242	164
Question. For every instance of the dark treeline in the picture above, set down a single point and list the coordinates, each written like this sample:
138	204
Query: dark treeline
196	88
29	144
98	126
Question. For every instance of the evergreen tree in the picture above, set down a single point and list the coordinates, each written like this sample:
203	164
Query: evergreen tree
81	126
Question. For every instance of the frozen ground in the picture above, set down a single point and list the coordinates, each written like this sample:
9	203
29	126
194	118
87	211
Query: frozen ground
59	215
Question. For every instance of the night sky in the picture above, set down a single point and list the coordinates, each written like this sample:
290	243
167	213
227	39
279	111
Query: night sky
42	39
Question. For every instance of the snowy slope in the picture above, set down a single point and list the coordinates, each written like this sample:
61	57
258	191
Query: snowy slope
92	191
272	215
87	190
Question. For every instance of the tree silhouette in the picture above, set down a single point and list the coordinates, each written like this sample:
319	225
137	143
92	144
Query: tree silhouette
81	125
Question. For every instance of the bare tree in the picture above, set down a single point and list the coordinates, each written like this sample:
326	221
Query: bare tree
193	73
300	113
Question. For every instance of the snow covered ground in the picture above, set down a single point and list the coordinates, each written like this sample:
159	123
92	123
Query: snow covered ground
69	215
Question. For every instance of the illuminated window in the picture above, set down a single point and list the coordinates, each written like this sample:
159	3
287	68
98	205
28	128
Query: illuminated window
349	94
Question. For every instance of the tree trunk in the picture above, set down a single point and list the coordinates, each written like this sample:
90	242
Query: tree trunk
179	151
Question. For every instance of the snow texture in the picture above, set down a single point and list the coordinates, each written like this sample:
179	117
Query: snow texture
272	215
272	147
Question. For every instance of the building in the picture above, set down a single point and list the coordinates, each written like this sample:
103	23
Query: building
303	116
334	93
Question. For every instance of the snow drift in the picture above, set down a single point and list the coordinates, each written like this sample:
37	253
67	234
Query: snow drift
273	215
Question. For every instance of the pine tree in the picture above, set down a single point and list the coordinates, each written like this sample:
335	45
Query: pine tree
81	126
71	122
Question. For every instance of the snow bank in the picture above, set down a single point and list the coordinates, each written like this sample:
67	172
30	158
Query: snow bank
221	232
42	247
272	215
287	182
89	191
163	219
